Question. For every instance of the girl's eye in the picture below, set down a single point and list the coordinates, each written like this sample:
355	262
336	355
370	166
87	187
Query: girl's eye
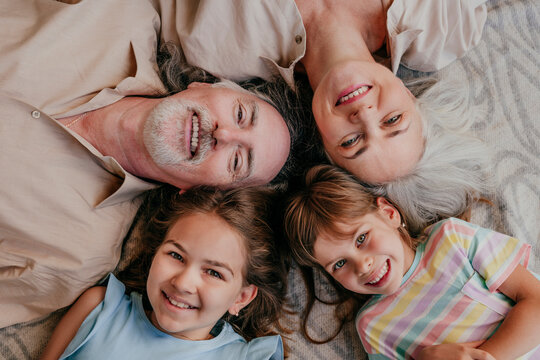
176	256
339	264
214	273
360	239
350	142
393	120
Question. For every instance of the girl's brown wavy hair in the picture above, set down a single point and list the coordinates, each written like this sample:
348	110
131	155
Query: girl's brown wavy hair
246	211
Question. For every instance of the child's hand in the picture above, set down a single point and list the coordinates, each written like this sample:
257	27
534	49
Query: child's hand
460	351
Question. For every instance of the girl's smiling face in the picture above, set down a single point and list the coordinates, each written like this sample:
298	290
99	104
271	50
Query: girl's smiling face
373	258
196	276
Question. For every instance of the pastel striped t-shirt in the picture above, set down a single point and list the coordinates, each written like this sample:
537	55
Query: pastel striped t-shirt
449	295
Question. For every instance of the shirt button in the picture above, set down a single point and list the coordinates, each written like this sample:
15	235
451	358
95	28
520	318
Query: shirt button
298	39
36	114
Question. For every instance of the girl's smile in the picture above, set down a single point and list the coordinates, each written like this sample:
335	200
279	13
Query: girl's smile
380	277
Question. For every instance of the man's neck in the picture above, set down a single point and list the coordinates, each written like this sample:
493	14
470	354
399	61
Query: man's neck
116	130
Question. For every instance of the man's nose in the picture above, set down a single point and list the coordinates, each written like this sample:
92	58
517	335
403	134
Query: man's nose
228	135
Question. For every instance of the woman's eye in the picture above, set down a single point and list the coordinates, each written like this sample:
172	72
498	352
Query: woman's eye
393	120
176	256
350	142
339	264
360	239
214	273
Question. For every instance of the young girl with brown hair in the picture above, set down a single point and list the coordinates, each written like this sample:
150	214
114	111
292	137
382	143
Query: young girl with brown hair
457	290
208	284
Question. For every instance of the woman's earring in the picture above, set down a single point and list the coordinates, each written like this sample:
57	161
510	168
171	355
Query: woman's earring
403	225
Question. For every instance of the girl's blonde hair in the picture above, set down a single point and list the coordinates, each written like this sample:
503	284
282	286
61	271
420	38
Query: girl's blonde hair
246	211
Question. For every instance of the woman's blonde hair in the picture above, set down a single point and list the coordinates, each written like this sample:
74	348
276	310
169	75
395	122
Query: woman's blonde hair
454	170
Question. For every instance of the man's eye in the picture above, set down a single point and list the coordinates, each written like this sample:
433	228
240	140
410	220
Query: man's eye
214	273
393	120
350	142
360	239
339	264
236	160
239	114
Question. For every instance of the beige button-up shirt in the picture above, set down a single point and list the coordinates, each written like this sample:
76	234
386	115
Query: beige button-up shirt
64	207
244	38
64	211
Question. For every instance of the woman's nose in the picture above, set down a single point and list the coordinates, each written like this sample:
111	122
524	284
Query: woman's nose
361	112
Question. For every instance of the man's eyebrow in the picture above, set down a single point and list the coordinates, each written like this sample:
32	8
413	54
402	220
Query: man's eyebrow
254	122
254	113
206	261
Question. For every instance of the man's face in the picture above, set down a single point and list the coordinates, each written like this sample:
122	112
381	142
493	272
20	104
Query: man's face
216	136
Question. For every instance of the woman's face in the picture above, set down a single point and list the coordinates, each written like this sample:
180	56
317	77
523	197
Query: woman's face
368	121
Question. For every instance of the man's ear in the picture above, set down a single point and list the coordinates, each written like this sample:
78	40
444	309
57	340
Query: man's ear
197	84
247	294
389	212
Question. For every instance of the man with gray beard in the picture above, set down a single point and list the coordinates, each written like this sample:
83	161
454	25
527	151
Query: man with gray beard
71	184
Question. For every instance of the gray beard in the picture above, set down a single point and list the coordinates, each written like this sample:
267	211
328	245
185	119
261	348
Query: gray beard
160	128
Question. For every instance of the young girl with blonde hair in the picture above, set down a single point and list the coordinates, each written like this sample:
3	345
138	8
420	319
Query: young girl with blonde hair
208	284
457	290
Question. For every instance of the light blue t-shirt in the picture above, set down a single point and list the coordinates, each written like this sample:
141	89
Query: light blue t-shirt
118	328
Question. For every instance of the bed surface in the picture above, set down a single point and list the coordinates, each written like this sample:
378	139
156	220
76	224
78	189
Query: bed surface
503	73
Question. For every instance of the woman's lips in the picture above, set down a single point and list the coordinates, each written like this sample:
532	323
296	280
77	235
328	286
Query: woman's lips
352	93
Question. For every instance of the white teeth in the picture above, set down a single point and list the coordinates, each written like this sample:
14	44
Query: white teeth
354	93
179	304
194	133
382	272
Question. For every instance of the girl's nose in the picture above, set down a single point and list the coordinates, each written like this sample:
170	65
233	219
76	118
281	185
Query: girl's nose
185	280
364	265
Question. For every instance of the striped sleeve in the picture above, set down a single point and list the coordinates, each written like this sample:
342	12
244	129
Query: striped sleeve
493	255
